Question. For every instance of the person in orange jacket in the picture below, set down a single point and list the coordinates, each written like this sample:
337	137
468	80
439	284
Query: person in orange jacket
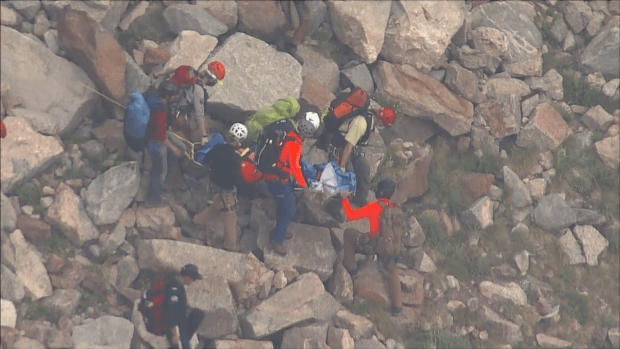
384	238
280	186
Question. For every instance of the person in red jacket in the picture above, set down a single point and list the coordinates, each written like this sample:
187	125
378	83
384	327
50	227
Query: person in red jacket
280	186
384	238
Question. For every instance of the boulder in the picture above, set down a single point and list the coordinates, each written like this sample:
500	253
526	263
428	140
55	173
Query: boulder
414	235
502	115
546	129
260	19
287	307
63	302
498	87
124	272
614	333
106	13
154	219
296	336
537	188
181	17
359	75
324	308
9	17
360	25
29	267
358	326
551	83
523	57
256	75
422	96
463	82
315	94
104	332
369	285
340	338
321	69
27	343
8	216
95	51
369	343
310	250
111	135
241	343
71	274
510	291
223	11
577	14
34	230
8	317
608	149
28	9
410	129
418	33
610	88
69	214
423	263
559	30
480	214
592	241
110	193
11	286
501	328
414	180
190	48
597	119
589	217
340	284
40	121
213	296
412	284
545	341
601	54
135	79
133	14
518	194
595	23
553	213
478	184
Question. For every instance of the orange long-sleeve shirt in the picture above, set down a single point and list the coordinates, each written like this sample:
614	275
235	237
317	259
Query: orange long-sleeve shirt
371	210
290	157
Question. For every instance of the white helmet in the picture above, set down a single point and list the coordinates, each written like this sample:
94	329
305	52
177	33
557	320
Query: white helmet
239	132
309	124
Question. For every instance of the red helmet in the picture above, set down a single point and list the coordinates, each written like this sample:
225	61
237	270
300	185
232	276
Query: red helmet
249	172
386	115
217	68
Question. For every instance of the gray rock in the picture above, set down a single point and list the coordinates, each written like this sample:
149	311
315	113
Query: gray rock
559	30
224	11
423	262
257	75
413	181
360	26
595	23
46	83
502	115
242	343
438	74
310	249
295	337
480	214
546	129
592	241
522	260
127	271
551	83
8	317
340	338
151	221
27	343
8	216
583	140
51	40
528	105
484	140
553	213
105	331
510	291
69	214
11	286
213	296
182	17
507	86
608	149
418	32
63	302
518	194
369	343
135	79
324	308
29	267
111	192
501	328
359	75
287	307
340	284
414	235
524	40
577	15
28	9
614	337
115	239
601	54
323	70
359	327
463	82
545	341
589	217
611	87
597	119
190	48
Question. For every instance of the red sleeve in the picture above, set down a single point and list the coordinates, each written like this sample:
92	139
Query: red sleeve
157	126
295	158
2	129
369	210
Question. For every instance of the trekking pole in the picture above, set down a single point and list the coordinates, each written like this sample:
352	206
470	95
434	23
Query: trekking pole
102	95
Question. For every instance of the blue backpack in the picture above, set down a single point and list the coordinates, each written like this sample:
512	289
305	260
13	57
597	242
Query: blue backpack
216	139
137	117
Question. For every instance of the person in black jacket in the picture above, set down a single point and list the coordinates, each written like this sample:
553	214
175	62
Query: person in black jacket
224	163
182	325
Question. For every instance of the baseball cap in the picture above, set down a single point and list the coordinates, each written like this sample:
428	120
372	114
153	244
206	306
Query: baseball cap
191	270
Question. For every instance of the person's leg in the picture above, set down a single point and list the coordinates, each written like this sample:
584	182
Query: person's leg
362	177
350	244
159	168
393	281
193	321
229	220
285	203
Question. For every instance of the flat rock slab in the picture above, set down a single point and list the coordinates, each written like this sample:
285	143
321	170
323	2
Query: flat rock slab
546	129
69	214
256	76
29	152
213	296
106	331
553	213
287	307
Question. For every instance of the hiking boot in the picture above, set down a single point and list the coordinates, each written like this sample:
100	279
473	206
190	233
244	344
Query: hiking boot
288	235
334	209
278	248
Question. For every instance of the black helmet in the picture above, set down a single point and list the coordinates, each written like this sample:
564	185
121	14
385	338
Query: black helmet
167	88
385	188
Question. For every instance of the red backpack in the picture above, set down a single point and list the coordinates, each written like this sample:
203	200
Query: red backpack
347	105
184	76
152	307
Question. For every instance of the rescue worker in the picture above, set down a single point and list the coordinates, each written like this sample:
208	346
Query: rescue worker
384	238
224	162
182	325
347	147
281	188
163	147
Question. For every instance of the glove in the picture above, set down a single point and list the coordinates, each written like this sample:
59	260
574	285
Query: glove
343	169
205	140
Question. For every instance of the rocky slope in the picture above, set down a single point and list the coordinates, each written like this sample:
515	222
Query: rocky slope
506	151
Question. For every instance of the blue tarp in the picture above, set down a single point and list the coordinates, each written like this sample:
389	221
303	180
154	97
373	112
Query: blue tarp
200	154
344	180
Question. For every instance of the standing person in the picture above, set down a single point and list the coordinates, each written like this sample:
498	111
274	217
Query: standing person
224	163
163	147
280	186
384	237
182	325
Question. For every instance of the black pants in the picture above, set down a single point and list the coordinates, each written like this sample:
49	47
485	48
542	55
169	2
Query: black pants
193	321
362	177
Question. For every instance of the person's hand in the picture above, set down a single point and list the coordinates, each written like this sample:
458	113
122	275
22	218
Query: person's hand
345	194
177	152
176	336
343	169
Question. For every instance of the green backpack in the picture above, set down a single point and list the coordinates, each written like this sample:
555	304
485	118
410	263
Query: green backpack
285	108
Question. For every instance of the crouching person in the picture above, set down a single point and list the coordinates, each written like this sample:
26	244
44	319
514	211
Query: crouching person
384	238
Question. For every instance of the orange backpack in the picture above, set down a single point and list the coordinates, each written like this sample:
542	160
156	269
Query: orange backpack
184	76
348	105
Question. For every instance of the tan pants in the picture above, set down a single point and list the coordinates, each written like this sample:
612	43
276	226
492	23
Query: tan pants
352	245
224	206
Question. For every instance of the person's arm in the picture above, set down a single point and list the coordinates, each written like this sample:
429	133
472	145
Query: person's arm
346	153
294	164
365	211
199	108
356	131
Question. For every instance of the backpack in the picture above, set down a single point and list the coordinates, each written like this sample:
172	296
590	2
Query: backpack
151	307
345	106
137	117
184	76
392	230
285	108
269	146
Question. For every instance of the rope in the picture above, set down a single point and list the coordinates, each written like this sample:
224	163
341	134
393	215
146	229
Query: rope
102	95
